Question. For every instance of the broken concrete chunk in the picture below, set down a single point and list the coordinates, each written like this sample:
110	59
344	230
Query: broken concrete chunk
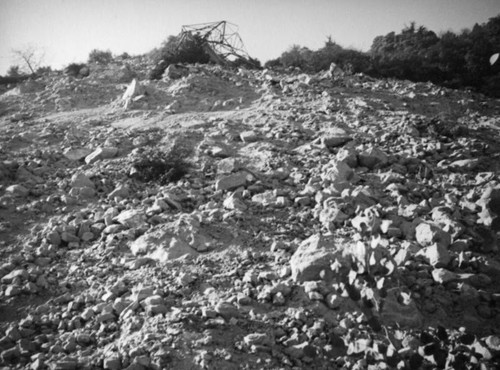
233	181
77	154
17	190
101	153
313	259
372	158
80	180
249	136
427	233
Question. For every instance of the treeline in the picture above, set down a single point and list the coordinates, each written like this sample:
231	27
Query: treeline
417	54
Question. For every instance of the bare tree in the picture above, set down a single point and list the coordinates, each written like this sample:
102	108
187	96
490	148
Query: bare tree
31	56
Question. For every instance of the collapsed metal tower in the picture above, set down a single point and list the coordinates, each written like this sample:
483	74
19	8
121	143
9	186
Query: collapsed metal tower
221	41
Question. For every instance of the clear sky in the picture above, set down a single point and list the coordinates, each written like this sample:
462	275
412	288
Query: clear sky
67	30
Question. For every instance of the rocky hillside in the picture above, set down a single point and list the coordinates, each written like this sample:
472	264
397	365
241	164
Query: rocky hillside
223	219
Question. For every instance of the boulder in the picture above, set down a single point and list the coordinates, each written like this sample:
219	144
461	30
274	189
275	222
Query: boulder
372	158
101	153
174	72
313	259
249	136
161	247
428	233
233	181
339	174
80	180
133	90
131	218
436	255
76	154
17	190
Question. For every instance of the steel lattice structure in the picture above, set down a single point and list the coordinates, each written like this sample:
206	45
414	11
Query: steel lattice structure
223	42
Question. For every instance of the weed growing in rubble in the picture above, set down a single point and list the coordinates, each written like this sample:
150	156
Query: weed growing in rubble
161	167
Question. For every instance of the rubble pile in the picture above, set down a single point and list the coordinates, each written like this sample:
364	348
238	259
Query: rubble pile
235	219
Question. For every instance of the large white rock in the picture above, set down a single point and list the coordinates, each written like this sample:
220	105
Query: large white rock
77	154
161	246
80	180
428	233
313	258
373	157
131	218
339	174
101	153
233	181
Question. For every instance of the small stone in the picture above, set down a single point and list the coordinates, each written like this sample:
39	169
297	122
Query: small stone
436	255
233	181
249	136
339	174
105	317
335	301
101	153
233	202
80	180
84	339
227	310
17	190
156	309
335	141
54	238
427	234
26	347
10	355
300	350
151	300
265	199
12	290
372	157
76	154
227	165
258	339
443	276
493	342
43	261
87	314
208	313
243	299
279	299
38	364
65	364
131	218
15	274
121	191
13	333
112	363
147	292
174	72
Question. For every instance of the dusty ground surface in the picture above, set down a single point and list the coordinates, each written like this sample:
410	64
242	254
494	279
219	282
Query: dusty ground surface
248	220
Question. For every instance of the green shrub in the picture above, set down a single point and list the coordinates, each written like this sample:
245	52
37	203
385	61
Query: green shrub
75	69
177	50
100	57
14	71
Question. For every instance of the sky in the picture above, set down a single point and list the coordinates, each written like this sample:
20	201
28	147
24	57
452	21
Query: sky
65	31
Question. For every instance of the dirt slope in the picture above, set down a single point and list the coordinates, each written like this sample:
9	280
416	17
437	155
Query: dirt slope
248	220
